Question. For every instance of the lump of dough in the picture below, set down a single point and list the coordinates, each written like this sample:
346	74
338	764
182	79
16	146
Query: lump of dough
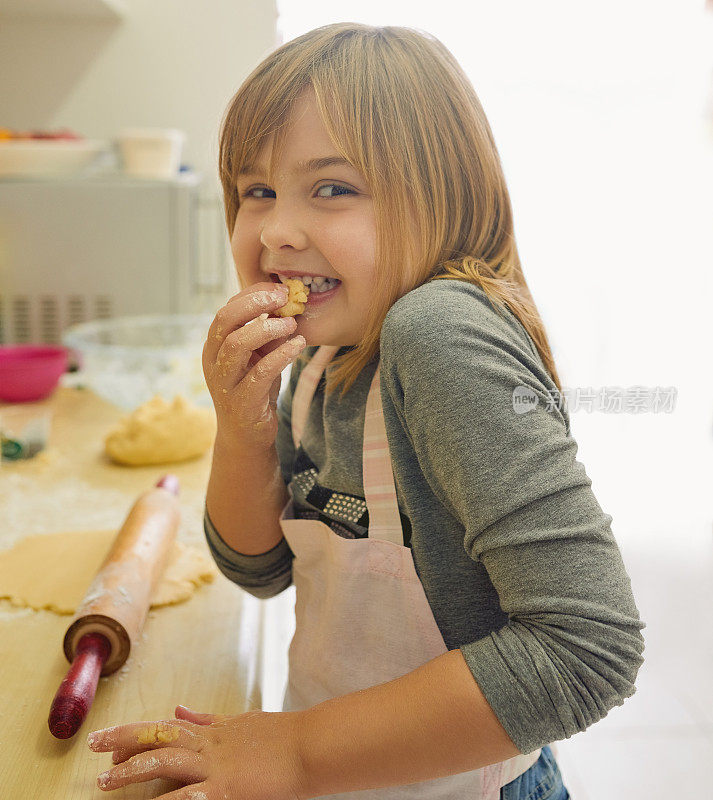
162	433
156	733
296	299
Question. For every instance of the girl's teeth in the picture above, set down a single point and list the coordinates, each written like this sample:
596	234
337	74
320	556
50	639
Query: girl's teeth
325	286
319	284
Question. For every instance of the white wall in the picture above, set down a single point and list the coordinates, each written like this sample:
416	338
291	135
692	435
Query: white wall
166	63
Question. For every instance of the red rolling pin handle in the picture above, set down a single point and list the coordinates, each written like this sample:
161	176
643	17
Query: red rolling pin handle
76	692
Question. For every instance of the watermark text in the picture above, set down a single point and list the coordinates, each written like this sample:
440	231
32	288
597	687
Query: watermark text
604	399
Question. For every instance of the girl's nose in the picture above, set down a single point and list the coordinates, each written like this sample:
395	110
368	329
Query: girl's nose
283	228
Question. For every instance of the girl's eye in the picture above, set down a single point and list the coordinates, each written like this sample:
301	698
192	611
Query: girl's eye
340	191
249	192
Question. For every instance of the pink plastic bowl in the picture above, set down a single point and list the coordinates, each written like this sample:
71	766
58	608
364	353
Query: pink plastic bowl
30	372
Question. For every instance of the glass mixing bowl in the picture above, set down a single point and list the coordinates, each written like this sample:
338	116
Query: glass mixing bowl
128	360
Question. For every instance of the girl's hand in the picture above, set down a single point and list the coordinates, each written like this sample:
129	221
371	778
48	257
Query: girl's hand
243	358
252	756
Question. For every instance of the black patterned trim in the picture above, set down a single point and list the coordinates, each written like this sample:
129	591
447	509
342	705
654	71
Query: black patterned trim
346	514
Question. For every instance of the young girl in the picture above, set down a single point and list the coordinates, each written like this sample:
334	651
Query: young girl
461	601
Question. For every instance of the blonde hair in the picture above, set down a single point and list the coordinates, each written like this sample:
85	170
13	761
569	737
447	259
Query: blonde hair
400	109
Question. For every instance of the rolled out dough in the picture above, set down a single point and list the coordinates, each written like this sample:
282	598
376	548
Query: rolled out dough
54	571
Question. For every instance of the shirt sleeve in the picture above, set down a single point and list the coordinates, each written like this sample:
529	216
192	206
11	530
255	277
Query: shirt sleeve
263	575
266	574
571	648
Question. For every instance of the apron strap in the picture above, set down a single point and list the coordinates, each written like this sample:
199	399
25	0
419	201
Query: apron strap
306	385
378	476
379	487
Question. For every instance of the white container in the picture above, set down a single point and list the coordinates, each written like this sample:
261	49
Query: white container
47	158
151	152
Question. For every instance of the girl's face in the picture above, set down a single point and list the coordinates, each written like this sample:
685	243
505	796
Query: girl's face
316	219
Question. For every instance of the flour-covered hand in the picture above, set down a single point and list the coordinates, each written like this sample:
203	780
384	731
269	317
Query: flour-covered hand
251	756
244	355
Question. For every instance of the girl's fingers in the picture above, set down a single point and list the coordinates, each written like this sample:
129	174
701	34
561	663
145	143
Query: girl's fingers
273	344
119	756
261	298
146	736
170	762
122	754
198	791
234	356
199	719
260	378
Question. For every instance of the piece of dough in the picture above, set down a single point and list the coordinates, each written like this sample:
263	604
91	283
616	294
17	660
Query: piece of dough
156	732
162	433
296	299
54	571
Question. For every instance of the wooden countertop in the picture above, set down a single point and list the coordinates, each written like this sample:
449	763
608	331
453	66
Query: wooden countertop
223	651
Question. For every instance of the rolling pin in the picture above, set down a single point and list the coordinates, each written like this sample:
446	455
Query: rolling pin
112	613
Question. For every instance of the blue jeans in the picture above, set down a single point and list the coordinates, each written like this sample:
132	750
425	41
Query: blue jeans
543	781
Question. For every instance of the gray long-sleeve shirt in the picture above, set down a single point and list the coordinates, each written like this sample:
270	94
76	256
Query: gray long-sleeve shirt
516	557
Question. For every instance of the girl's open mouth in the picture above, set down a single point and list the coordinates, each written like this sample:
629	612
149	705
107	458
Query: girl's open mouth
319	290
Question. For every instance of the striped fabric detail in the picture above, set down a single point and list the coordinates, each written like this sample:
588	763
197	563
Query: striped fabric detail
379	487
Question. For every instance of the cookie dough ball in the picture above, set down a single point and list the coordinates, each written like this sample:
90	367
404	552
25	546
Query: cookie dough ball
162	433
296	299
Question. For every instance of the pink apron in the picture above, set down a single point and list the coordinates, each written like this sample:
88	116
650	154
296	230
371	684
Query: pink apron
362	617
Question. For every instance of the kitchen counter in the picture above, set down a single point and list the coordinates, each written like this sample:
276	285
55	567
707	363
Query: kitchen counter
222	651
